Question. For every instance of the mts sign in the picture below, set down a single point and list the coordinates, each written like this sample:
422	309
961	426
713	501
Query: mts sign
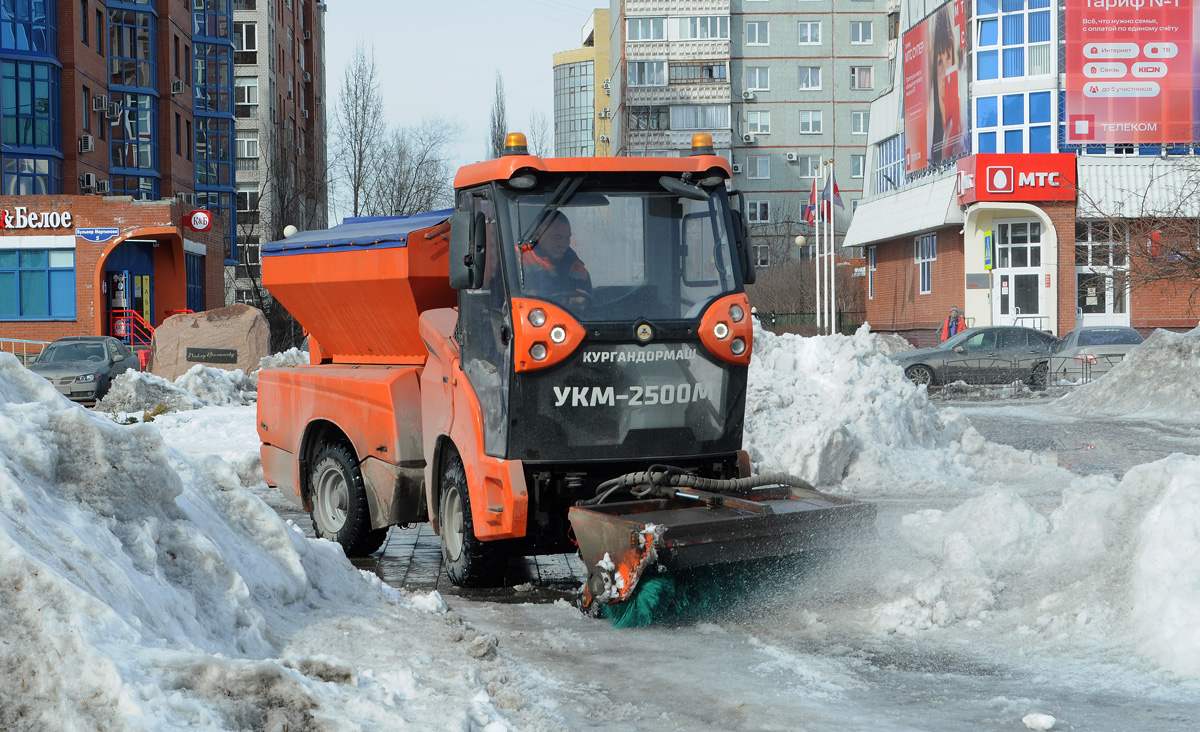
1016	177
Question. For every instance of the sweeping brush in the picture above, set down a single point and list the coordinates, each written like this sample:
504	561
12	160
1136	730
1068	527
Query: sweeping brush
685	595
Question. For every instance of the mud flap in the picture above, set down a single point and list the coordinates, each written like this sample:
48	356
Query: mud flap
692	528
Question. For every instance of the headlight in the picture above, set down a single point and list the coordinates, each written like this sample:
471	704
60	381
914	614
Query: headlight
558	334
538	351
537	317
86	378
736	313
721	331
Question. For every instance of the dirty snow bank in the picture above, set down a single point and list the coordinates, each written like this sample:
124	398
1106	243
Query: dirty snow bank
835	408
1159	377
140	590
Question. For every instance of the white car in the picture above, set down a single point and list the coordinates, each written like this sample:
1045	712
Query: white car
1087	353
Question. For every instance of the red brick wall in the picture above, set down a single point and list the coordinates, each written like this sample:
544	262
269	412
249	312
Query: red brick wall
83	65
898	304
157	220
178	172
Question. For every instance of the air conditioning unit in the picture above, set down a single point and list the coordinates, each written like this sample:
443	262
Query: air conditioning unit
289	96
87	144
603	138
748	95
791	157
308	35
317	99
304	113
87	181
177	87
99	103
307	77
114	111
747	138
737	168
103	186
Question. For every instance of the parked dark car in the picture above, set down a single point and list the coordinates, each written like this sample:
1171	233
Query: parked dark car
82	367
1088	353
993	355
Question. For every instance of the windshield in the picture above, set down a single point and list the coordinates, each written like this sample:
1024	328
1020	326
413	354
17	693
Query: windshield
1110	337
957	340
611	252
72	352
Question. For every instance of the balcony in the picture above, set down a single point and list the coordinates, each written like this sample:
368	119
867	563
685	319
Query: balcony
677	50
674	139
676	7
705	93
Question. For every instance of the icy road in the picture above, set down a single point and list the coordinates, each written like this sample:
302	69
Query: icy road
1036	569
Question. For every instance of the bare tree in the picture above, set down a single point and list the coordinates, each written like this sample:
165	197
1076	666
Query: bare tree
499	127
541	142
360	125
413	172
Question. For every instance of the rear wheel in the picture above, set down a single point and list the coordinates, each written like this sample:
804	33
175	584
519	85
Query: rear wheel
339	502
1040	377
469	561
920	374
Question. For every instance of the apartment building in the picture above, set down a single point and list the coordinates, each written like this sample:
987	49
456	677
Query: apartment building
582	94
279	108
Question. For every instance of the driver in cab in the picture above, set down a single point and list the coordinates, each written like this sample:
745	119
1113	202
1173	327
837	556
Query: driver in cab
553	269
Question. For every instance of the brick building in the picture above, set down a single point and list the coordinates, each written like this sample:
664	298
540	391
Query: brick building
116	120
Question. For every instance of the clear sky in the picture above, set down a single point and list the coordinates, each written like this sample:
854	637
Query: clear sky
439	58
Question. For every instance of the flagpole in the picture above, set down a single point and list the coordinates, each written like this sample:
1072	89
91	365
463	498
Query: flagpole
817	237
832	281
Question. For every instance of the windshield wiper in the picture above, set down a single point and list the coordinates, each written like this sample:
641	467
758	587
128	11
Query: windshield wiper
529	238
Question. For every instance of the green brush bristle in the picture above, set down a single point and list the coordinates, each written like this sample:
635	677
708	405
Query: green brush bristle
680	596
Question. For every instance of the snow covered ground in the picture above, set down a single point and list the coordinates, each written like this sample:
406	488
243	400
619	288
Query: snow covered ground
145	583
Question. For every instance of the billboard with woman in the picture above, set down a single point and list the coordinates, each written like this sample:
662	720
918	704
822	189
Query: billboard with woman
935	88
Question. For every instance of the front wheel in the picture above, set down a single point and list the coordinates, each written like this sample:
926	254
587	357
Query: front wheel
469	561
920	375
339	502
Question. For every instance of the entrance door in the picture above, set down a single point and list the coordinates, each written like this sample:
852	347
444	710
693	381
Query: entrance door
1018	276
129	273
1101	274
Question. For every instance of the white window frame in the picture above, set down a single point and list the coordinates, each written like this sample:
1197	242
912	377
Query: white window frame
812	70
758	211
812	119
925	254
856	77
701	28
808	167
872	258
762	256
703	117
758	78
804	30
251	193
758	123
641	69
757	165
857	35
246	143
860	121
762	32
657	28
858	166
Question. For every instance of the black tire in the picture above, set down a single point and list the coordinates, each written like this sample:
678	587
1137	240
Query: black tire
339	502
469	562
920	374
1040	377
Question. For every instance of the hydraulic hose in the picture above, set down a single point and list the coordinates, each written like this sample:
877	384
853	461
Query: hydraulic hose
649	482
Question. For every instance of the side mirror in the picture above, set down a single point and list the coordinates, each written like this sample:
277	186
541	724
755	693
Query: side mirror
467	245
741	239
959	349
118	357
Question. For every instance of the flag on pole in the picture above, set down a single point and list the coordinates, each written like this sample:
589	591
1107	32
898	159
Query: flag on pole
830	194
810	213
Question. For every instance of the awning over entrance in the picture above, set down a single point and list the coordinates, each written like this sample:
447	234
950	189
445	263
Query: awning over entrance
912	210
1133	187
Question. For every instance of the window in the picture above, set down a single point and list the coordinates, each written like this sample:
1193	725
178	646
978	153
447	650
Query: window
1019	244
187	148
758	211
29	106
758	33
87	109
247	203
131	49
247	149
810	121
645	29
810	77
1014	123
758	167
245	97
758	78
859	121
861	77
134	134
176	56
1013	39
37	284
245	5
926	254
861	32
762	255
178	134
704	27
697	72
700	117
29	26
100	32
647	73
807	166
650	118
871	273
889	159
245	43
809	32
758	123
83	22
187	65
858	164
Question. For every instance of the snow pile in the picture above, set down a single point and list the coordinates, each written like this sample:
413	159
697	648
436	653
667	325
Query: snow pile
836	409
217	387
1162	375
282	360
138	391
142	591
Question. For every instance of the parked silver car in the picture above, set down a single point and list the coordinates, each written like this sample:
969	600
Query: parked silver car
1088	353
82	367
998	354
